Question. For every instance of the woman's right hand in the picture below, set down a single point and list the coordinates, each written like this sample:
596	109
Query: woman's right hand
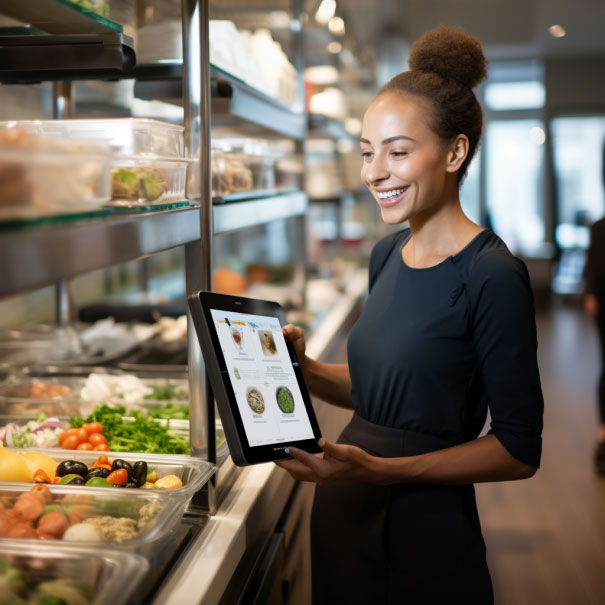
296	336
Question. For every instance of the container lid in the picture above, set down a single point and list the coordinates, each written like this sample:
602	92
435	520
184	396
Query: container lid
126	136
114	575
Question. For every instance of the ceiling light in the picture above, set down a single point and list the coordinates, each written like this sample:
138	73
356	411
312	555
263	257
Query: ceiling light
325	12
336	25
556	31
334	47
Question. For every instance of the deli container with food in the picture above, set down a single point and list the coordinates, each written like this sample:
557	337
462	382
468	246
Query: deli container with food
27	397
175	475
70	390
41	177
242	166
138	521
148	167
61	573
53	390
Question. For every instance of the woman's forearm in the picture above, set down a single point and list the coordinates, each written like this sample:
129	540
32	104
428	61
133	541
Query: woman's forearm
329	382
481	460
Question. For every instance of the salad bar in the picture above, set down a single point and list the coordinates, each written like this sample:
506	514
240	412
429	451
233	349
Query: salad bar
95	460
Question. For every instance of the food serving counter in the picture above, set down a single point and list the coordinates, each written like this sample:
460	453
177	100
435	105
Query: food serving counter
258	541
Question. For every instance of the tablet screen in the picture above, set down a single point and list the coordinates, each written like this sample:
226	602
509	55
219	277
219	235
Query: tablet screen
260	369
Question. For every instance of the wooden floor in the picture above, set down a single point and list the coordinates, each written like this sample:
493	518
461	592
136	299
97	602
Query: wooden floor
546	536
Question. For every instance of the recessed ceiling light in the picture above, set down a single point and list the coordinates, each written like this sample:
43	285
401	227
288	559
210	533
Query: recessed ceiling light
334	47
556	31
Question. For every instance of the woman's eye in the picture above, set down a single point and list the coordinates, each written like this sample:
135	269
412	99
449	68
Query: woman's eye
399	154
366	155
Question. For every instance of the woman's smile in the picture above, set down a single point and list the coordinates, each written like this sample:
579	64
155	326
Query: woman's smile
390	197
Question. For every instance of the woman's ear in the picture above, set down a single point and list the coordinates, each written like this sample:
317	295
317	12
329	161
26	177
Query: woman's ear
457	153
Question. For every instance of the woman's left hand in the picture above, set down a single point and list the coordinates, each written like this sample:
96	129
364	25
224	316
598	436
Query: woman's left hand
337	462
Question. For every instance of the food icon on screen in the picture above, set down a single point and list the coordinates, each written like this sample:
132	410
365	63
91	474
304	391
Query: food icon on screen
255	400
236	373
238	336
285	400
267	342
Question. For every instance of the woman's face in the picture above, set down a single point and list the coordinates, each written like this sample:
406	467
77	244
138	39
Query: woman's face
404	161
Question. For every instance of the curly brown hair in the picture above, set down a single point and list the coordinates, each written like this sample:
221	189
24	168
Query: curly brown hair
446	63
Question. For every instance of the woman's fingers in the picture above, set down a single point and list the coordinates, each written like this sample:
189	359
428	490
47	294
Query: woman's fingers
340	452
297	469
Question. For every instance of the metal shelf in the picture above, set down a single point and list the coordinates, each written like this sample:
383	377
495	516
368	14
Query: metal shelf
27	59
323	126
242	215
40	256
233	101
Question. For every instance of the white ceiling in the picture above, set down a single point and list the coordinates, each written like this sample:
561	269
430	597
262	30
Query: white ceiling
509	29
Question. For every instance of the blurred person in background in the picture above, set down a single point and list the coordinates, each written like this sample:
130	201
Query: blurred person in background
594	304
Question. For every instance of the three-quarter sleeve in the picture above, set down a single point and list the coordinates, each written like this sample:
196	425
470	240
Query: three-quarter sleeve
504	334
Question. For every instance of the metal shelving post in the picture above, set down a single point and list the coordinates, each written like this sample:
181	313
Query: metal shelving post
198	259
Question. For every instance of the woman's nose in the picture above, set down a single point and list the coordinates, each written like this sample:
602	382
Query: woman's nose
376	171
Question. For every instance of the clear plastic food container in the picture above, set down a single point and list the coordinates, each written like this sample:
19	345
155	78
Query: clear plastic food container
148	165
43	177
126	136
27	397
243	166
137	521
142	181
193	472
65	391
112	576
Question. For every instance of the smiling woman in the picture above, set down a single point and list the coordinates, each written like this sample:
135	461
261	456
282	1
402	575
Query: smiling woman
447	332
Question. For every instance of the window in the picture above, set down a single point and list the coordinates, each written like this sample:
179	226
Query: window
515	95
515	157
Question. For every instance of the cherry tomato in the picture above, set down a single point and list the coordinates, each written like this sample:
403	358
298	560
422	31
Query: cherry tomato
93	427
65	434
118	477
82	435
97	439
102	447
70	443
85	445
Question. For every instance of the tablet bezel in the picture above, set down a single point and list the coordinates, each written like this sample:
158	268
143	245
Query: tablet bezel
204	301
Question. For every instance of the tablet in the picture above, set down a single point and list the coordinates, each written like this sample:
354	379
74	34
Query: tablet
257	380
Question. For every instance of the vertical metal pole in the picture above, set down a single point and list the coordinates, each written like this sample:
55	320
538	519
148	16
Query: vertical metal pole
302	266
64	294
198	256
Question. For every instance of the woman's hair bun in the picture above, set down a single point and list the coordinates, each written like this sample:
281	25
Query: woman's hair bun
450	52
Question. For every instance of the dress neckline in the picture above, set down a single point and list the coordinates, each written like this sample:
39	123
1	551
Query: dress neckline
451	258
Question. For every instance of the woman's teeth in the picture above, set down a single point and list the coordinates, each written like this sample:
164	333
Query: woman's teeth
385	195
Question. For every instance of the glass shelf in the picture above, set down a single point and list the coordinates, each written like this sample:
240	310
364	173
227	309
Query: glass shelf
233	101
44	253
58	17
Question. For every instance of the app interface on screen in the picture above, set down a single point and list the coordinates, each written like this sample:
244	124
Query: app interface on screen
267	392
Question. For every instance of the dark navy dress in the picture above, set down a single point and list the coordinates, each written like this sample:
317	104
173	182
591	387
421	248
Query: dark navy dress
433	350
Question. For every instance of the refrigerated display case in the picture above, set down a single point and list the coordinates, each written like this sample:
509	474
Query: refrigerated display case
37	255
